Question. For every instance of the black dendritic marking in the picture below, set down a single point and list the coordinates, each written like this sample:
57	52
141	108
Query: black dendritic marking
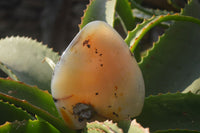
115	114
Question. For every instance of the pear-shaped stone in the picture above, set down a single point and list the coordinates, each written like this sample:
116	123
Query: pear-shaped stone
97	78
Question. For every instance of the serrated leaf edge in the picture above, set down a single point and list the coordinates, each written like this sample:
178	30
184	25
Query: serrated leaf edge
56	122
148	11
18	108
31	39
134	123
84	13
8	71
105	124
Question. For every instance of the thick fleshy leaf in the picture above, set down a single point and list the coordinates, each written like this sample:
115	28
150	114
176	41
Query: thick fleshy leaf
9	112
124	125
143	12
173	63
194	87
102	127
33	95
103	10
136	5
5	69
141	15
58	123
30	126
123	9
171	111
24	57
136	35
137	128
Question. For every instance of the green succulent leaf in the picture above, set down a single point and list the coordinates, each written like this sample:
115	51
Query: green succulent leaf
102	127
45	115
194	87
9	72
123	9
23	56
33	95
146	12
173	62
103	10
9	112
120	27
30	126
174	4
141	15
135	5
171	111
124	125
137	128
136	35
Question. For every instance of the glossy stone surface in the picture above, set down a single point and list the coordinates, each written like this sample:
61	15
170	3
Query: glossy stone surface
97	78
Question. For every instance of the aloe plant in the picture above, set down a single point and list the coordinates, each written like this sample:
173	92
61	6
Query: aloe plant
170	69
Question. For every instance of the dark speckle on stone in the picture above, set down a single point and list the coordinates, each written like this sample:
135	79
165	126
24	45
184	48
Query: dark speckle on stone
85	42
96	51
55	100
88	45
115	94
115	114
